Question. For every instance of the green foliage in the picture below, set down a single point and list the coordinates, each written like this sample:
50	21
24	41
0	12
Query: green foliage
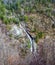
1	16
26	9
6	20
39	36
21	18
32	10
2	7
28	44
15	20
16	6
48	9
49	0
2	10
43	1
26	19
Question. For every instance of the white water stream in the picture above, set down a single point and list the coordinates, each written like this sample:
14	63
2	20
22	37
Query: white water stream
18	31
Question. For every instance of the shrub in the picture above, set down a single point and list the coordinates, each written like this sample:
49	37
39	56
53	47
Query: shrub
36	38
1	16
26	18
6	20
39	35
15	20
26	9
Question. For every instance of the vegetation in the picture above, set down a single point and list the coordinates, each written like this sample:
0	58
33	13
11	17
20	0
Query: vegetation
16	6
38	19
17	11
39	35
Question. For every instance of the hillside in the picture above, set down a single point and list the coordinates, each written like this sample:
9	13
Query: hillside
27	32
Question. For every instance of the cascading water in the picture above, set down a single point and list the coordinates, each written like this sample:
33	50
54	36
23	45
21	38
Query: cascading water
32	42
18	31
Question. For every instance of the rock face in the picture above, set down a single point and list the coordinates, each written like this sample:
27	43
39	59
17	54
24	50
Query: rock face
17	31
12	50
15	45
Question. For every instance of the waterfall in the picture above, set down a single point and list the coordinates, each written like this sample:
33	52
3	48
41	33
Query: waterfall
33	47
17	31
